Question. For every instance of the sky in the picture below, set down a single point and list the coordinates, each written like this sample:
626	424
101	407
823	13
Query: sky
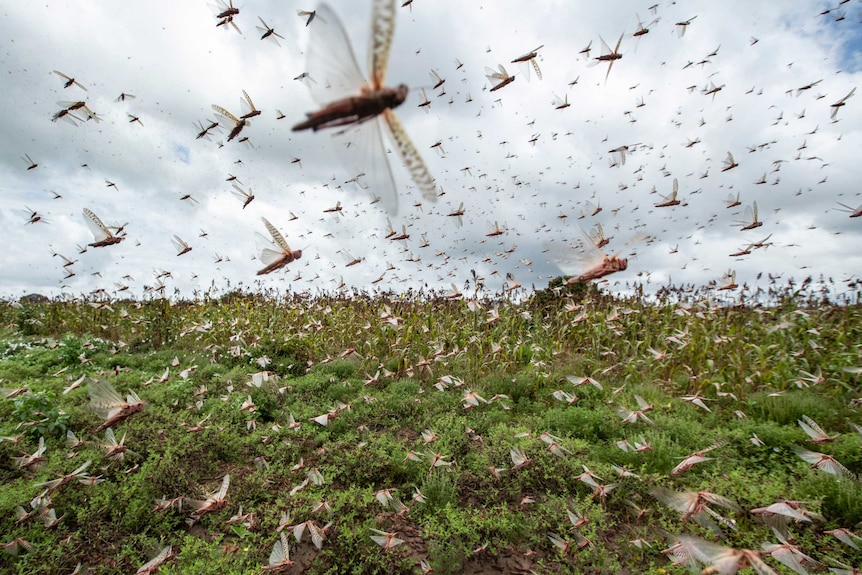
511	156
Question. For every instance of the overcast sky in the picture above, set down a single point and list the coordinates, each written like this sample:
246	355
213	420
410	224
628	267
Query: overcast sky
510	156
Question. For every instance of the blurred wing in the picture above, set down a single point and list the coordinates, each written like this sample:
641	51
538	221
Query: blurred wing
96	226
239	192
599	234
269	252
276	235
703	551
760	567
605	48
330	59
575	260
638	237
721	500
418	170
382	30
110	438
194	503
678	501
155	561
493	75
360	149
103	397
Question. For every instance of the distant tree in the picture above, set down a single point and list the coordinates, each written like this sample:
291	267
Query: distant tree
558	290
34	298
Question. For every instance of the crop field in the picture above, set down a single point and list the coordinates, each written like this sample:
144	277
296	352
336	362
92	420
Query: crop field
568	432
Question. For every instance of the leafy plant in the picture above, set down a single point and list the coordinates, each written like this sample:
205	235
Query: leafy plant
39	415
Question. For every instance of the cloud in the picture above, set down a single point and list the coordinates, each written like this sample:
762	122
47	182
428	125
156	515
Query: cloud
510	156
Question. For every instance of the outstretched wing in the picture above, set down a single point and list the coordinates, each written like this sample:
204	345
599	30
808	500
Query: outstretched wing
330	59
276	235
496	77
269	252
605	48
382	30
246	104
525	67
360	149
103	397
418	170
680	502
573	261
536	68
225	118
638	237
280	552
96	226
240	193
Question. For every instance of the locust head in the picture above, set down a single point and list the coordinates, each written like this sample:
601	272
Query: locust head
398	95
618	264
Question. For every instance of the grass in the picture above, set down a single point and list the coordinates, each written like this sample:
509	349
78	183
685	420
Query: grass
387	368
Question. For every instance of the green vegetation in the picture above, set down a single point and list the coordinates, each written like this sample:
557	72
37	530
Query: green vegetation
426	397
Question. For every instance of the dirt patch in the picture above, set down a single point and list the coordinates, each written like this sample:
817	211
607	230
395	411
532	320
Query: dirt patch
507	563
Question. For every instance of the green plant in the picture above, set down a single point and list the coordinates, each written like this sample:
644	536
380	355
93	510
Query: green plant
38	413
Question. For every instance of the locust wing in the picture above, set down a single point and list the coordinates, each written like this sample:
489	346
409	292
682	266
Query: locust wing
276	235
280	552
247	106
331	60
222	492
99	229
317	536
382	30
269	252
225	118
574	260
414	162
360	149
152	565
104	399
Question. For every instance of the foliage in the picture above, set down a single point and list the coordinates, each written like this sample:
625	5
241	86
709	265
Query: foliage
432	399
39	414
